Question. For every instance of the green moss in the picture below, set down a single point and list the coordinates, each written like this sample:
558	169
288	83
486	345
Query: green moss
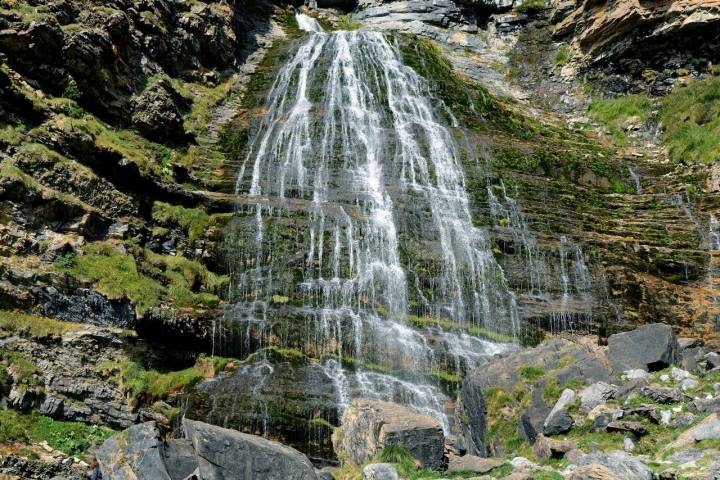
22	324
690	118
563	55
11	135
614	112
193	220
115	273
150	384
347	23
531	6
72	438
531	373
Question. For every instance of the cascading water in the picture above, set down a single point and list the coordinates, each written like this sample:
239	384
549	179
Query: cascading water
351	147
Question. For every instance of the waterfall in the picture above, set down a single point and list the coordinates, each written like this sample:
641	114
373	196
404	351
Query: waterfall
351	186
636	179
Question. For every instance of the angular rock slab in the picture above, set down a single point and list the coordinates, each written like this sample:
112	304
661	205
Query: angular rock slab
471	463
207	452
368	426
223	454
650	347
133	454
621	464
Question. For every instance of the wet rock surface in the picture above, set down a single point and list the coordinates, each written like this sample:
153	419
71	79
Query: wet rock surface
369	426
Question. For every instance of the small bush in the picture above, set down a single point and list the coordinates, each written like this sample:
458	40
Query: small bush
71	90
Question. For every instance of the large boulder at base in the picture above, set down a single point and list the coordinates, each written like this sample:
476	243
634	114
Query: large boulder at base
206	451
135	453
621	464
592	471
650	347
528	372
368	426
223	453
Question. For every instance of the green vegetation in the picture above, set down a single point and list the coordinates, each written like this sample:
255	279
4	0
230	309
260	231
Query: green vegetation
194	221
148	385
347	23
563	55
11	134
22	324
445	324
72	438
531	373
615	112
24	371
408	468
690	118
71	90
143	276
115	273
531	6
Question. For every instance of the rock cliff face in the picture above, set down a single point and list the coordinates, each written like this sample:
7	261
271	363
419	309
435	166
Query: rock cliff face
124	123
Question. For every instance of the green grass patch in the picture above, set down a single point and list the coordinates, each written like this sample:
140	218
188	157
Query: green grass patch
144	276
690	118
150	384
531	373
347	23
22	324
26	372
531	6
115	273
614	112
72	438
563	55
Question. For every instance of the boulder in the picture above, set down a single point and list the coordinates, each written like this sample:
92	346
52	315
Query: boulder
368	426
135	453
562	359
206	451
158	112
661	394
636	428
471	463
593	471
708	431
545	447
380	471
650	347
558	423
597	394
623	465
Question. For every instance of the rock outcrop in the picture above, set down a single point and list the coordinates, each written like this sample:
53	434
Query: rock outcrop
205	451
651	347
528	370
368	426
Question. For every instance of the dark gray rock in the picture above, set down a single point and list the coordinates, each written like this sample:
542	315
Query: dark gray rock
223	453
661	394
636	428
586	364
650	347
623	465
134	453
651	413
158	112
558	423
207	451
